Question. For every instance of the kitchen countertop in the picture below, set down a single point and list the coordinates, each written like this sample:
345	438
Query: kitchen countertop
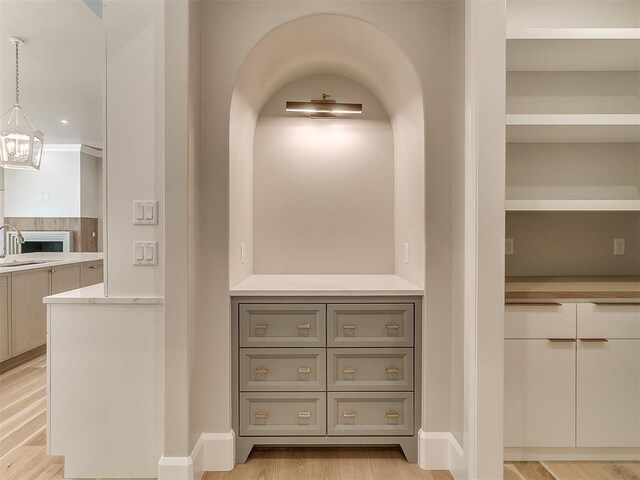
94	294
574	288
51	259
324	285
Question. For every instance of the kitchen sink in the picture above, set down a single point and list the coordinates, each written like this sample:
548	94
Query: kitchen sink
22	263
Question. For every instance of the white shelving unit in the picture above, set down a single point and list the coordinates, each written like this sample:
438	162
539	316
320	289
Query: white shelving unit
573	205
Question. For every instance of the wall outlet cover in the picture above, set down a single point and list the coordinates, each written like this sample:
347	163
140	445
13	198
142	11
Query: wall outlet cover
508	246
618	246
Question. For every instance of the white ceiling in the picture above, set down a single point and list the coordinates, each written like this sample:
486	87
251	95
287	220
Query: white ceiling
61	67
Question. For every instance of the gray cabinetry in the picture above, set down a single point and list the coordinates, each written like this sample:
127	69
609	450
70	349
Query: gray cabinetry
326	371
5	315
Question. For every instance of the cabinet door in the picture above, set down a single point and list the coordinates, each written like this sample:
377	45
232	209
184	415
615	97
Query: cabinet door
539	397
92	273
28	313
5	344
608	409
64	279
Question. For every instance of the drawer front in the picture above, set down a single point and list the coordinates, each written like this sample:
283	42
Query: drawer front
540	321
282	325
274	414
370	325
290	369
608	321
370	369
367	413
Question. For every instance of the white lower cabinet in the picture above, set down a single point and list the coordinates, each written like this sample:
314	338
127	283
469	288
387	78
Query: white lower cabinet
608	393
539	393
578	389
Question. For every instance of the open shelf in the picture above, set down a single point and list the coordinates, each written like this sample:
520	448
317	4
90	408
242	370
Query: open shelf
573	128
573	205
573	49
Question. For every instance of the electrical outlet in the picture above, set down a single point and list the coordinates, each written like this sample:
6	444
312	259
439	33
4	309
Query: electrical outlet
407	253
508	246
618	246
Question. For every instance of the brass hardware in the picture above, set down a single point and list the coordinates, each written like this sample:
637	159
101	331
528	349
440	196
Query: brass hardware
392	370
349	414
53	270
95	266
304	326
304	370
594	340
349	326
393	326
261	326
392	414
261	370
304	414
534	304
349	370
262	414
562	340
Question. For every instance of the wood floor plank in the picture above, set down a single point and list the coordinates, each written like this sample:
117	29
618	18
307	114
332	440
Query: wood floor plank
20	405
23	434
511	472
532	471
17	421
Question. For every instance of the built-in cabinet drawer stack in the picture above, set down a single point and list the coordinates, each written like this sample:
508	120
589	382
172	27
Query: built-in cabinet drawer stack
572	375
323	369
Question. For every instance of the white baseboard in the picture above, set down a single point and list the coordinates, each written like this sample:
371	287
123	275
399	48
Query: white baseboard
441	451
570	454
214	452
175	468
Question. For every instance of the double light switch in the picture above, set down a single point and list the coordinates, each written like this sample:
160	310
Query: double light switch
145	253
145	213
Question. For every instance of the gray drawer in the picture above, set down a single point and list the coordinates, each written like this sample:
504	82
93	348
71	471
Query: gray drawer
370	369
370	325
288	414
362	414
282	325
282	369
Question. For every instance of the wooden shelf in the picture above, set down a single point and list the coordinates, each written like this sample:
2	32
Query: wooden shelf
573	49
573	128
573	205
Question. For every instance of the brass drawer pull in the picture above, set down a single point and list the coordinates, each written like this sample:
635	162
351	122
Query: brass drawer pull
622	303
393	326
594	340
262	414
392	414
93	267
533	304
349	326
261	326
393	370
304	326
261	371
304	370
562	340
349	414
349	370
304	414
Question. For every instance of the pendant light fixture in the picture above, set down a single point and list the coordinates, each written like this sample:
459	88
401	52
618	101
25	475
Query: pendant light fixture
20	142
324	108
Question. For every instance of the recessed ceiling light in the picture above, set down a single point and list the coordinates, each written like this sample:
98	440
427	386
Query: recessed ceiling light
65	122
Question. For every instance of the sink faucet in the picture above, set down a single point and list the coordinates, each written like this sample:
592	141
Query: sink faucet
19	238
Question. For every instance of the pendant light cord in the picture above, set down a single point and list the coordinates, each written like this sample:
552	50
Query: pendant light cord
17	76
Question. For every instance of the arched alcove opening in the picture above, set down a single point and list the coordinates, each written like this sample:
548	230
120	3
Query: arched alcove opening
338	46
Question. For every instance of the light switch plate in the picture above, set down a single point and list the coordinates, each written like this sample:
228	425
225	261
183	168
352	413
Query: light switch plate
145	212
145	253
618	246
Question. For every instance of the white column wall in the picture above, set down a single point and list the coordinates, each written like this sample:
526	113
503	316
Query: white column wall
135	139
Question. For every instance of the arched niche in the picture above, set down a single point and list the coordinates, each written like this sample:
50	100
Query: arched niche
347	47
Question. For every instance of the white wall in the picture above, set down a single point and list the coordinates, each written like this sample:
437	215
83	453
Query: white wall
135	139
90	186
53	191
323	189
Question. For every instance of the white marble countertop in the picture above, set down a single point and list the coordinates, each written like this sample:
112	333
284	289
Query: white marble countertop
49	259
324	285
94	294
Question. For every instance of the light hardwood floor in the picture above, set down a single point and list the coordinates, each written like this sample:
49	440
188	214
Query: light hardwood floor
23	450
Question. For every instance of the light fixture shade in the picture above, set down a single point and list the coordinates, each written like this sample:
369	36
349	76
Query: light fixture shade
324	108
21	143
